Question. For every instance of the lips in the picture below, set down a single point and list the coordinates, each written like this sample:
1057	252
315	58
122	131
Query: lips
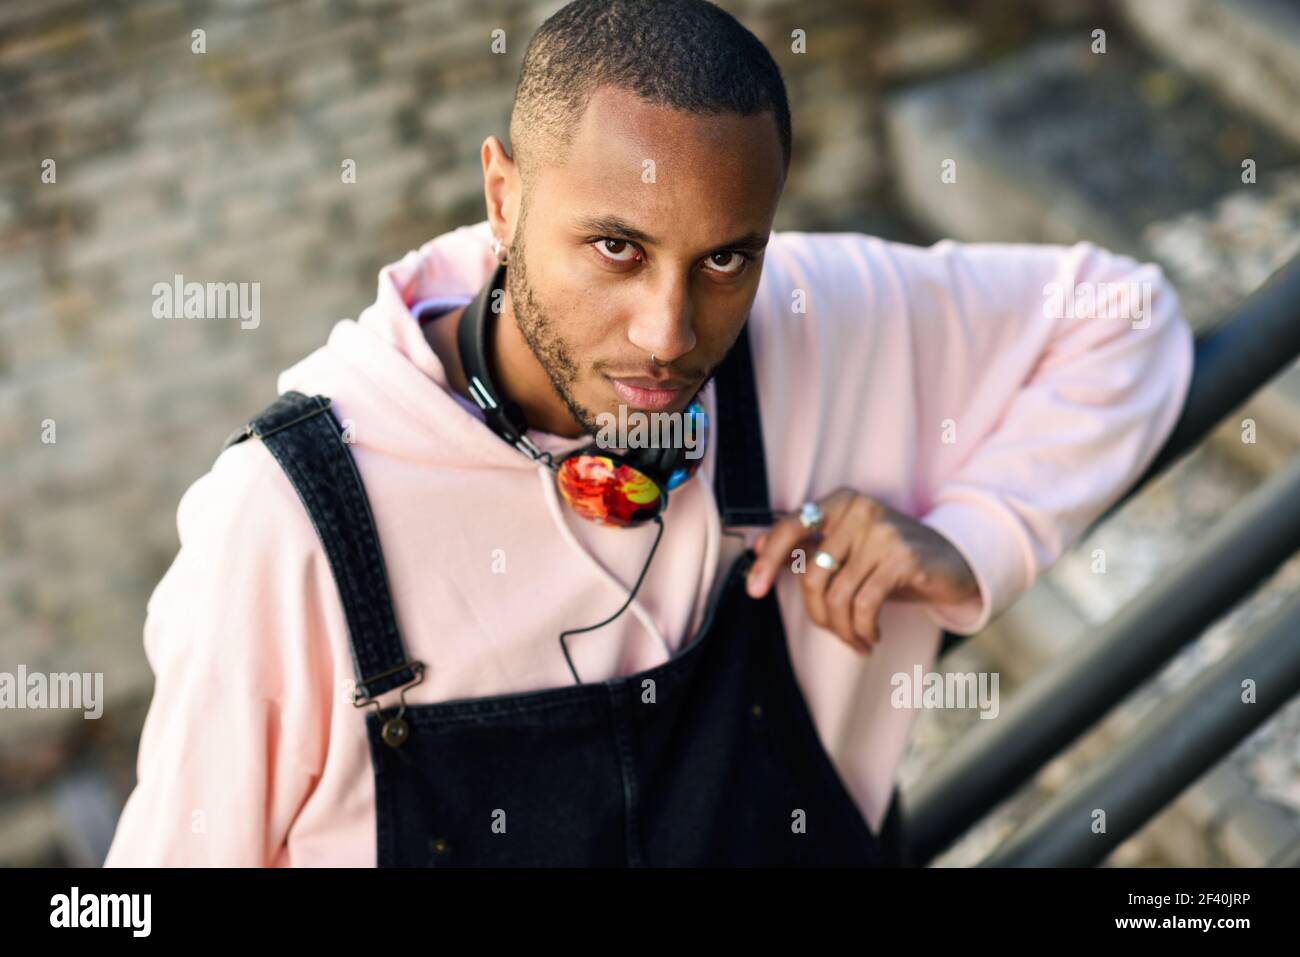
645	393
643	382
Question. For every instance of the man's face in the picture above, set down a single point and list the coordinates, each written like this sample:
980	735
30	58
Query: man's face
595	301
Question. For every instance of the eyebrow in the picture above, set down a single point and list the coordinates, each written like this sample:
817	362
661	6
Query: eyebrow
616	226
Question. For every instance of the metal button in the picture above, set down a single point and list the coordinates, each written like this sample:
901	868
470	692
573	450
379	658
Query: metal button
395	732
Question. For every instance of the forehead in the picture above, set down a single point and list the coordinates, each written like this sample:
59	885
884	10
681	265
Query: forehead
651	164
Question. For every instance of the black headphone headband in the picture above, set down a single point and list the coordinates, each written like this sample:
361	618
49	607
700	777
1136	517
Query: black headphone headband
505	417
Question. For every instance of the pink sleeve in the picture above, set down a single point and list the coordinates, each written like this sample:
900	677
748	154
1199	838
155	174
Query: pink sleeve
235	733
1044	407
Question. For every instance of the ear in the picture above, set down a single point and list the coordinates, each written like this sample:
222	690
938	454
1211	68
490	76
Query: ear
501	188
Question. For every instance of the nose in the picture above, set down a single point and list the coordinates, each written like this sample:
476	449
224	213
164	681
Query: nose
664	326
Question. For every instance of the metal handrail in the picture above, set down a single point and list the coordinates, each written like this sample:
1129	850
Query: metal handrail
1074	692
1231	364
1178	742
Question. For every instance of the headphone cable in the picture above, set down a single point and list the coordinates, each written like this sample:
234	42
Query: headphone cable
658	520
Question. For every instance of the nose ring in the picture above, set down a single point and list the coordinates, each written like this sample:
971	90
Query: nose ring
661	365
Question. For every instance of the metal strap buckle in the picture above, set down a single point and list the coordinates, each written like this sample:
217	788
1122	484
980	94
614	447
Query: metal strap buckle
395	730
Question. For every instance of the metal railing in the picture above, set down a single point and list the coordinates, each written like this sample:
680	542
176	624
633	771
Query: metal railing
1073	693
1179	741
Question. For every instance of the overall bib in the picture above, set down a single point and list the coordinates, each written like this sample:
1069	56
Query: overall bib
709	759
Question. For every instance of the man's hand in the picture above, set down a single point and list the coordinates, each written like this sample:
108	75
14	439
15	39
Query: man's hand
881	554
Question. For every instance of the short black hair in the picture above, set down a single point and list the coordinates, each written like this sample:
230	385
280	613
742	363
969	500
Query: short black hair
687	55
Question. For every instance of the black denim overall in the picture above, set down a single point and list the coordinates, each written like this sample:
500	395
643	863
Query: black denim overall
709	759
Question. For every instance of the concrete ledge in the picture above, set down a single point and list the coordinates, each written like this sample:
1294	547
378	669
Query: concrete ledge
1247	50
1007	152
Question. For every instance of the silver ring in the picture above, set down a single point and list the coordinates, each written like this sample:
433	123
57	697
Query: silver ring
826	560
811	517
656	361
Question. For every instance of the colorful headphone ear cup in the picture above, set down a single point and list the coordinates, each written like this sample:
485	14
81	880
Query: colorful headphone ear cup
629	490
605	489
691	464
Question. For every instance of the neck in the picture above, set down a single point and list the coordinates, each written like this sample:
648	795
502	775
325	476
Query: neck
514	366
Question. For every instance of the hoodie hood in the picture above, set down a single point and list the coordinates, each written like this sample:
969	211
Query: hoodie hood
379	369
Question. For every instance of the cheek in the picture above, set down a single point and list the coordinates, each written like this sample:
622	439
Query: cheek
592	323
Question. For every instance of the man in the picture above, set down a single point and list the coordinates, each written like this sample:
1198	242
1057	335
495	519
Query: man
934	434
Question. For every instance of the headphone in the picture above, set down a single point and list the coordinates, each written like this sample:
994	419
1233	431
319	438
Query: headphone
623	488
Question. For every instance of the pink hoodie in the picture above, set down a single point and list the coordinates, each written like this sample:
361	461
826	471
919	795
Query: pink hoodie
948	382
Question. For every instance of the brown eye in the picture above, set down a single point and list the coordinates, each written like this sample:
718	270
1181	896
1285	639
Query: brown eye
732	267
612	248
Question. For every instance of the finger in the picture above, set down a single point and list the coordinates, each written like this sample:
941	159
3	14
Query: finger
838	543
867	602
776	546
881	543
783	537
843	588
866	612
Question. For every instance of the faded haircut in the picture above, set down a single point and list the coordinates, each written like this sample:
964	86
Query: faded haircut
686	55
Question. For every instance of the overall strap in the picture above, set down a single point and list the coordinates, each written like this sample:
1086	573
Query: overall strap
306	440
740	473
